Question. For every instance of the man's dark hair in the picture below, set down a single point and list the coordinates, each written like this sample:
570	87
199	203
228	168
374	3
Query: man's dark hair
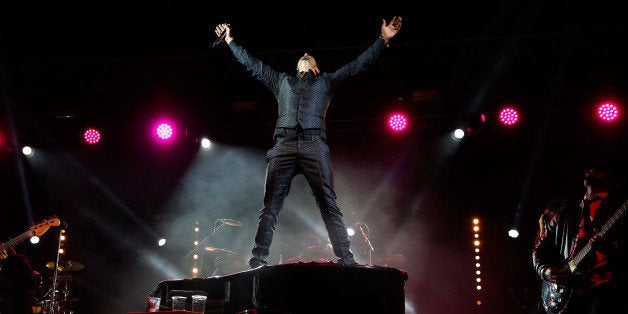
599	177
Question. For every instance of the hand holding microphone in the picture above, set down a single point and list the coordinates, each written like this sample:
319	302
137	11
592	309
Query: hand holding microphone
223	31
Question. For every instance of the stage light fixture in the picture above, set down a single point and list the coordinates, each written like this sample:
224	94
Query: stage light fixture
458	134
164	131
351	232
206	143
27	151
608	112
397	122
91	136
509	116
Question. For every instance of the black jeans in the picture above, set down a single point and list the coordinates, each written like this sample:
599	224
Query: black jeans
289	157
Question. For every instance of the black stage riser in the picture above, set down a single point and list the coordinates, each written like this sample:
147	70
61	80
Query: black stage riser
299	288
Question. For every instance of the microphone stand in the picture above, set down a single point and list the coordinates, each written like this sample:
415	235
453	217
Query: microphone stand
366	239
216	228
54	276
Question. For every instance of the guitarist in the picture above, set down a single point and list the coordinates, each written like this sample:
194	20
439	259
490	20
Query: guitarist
17	280
598	284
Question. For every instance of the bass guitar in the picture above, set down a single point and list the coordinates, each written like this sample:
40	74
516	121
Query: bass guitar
556	296
36	230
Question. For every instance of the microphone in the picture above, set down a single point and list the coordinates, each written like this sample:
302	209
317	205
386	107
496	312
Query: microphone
220	38
230	222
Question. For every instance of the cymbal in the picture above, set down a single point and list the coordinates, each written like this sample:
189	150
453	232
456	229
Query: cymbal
65	265
215	250
62	301
230	222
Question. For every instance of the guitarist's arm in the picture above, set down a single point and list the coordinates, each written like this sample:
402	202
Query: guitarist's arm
555	274
552	249
19	267
4	253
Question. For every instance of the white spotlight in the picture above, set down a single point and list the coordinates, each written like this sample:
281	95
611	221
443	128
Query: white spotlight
458	134
351	231
206	143
513	233
161	242
34	239
27	151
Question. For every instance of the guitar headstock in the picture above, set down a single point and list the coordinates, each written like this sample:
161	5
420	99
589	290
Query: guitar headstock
41	228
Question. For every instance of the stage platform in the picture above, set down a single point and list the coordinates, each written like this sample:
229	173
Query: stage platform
304	287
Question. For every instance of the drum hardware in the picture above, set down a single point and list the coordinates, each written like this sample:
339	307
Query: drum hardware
392	260
57	299
217	225
365	235
227	264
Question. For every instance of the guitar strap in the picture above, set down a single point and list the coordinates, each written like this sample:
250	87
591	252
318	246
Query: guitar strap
586	217
586	214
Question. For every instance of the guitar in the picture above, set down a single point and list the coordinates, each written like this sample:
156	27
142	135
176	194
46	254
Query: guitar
556	296
36	230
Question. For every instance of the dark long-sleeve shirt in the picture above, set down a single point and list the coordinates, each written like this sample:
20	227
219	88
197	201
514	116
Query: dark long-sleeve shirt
303	101
16	281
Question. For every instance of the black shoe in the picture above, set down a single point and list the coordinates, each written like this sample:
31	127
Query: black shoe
255	262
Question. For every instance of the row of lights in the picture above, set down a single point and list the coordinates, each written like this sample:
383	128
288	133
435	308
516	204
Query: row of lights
196	266
164	131
510	116
476	250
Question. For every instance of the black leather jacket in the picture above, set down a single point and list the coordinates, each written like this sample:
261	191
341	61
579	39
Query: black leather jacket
303	101
554	247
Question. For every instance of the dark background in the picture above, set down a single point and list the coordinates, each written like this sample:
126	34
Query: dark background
119	65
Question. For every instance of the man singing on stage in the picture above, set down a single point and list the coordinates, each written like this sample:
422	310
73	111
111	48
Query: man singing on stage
303	97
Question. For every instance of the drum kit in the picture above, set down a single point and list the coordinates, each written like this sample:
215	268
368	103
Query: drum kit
226	262
391	260
315	253
57	299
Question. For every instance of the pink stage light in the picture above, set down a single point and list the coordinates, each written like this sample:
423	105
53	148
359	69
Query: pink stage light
91	136
397	122
164	131
608	112
509	116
